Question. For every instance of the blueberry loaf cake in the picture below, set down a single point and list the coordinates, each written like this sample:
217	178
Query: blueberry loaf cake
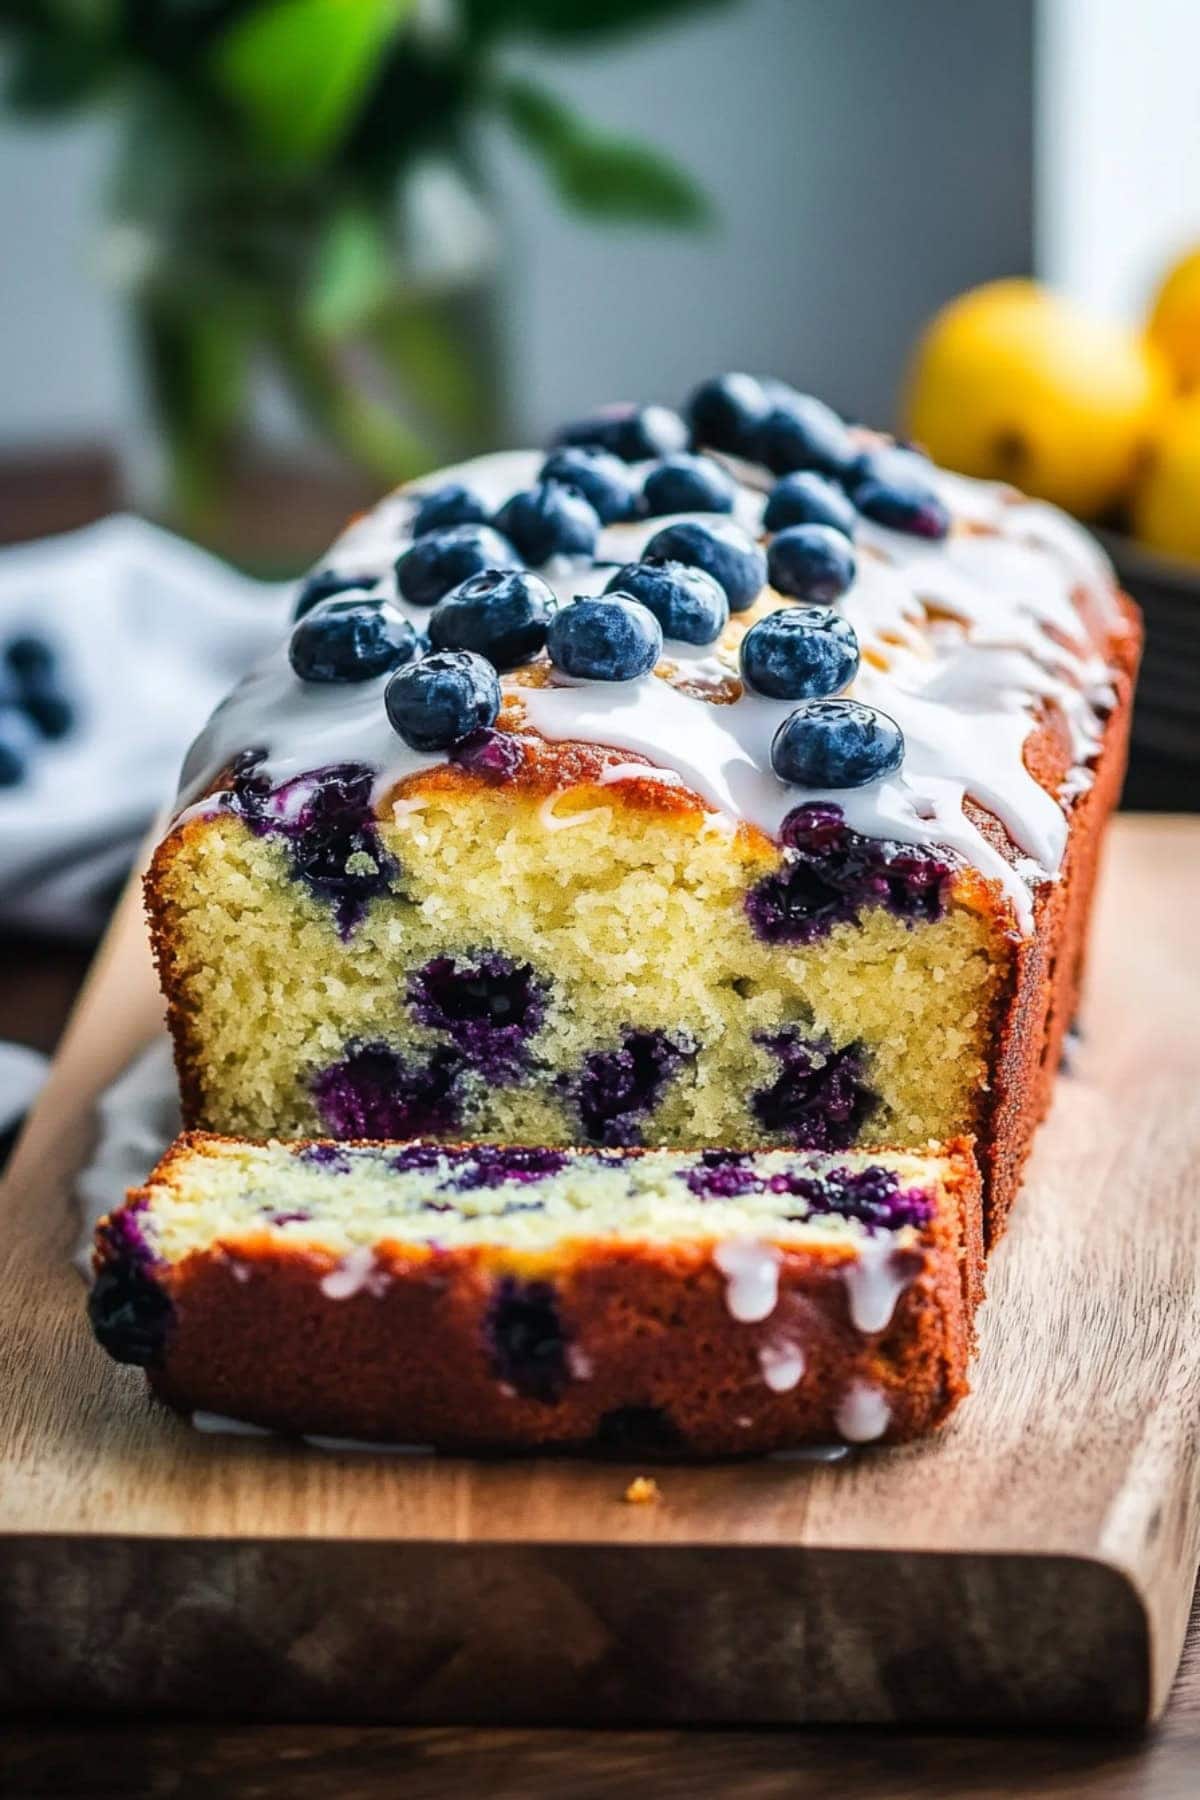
709	1302
729	781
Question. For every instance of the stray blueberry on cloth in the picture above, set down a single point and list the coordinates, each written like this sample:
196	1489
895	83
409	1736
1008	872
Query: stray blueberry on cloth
602	478
682	484
327	584
451	504
549	520
350	640
811	562
439	562
836	744
501	614
806	498
634	433
800	653
18	744
613	638
689	605
437	702
726	413
722	549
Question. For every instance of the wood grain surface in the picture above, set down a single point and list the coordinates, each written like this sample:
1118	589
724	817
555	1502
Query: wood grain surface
1035	1563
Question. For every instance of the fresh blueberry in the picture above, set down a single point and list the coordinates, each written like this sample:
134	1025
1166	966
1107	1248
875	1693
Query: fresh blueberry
350	640
681	484
811	562
808	499
613	638
549	520
48	707
634	433
800	653
437	702
688	604
902	503
439	562
326	584
452	504
800	432
836	744
888	461
722	549
502	614
30	658
599	476
726	413
16	747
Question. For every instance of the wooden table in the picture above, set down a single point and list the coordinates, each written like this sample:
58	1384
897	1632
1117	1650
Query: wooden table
297	1762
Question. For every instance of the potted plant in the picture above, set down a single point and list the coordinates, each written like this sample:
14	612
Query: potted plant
298	185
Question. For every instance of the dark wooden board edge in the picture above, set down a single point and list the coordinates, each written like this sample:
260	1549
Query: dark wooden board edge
552	1634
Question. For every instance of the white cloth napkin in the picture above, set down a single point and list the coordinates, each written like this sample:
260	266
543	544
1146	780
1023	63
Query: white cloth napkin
149	632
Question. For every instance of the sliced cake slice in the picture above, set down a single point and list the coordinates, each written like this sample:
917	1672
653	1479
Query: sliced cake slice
705	1303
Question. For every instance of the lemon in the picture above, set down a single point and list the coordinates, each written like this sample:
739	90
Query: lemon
1174	327
1165	511
1011	381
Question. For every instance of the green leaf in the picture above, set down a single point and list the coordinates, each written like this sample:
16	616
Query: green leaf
51	72
354	272
297	70
559	19
598	173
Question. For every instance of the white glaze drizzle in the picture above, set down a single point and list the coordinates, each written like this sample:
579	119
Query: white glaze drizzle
874	1282
355	1274
862	1413
1020	599
751	1272
782	1364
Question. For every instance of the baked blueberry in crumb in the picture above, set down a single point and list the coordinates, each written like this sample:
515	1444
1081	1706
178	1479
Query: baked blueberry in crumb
491	1165
722	1175
819	1099
130	1313
489	1008
495	756
414	1158
872	1195
327	823
374	1093
526	1341
830	873
618	1088
325	1156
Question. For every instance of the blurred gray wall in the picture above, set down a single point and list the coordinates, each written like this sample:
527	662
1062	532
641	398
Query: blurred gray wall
868	158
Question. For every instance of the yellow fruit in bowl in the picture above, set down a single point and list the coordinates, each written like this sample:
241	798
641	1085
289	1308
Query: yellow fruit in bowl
1015	383
1174	327
1165	510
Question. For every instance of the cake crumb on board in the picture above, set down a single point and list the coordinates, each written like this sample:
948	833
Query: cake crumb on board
643	1490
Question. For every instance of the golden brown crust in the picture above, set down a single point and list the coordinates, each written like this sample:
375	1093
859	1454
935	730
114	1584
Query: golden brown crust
407	1358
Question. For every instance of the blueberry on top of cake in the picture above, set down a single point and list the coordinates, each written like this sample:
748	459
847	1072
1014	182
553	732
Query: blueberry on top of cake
818	761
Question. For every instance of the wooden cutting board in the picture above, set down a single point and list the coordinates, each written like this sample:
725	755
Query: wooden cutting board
1034	1563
